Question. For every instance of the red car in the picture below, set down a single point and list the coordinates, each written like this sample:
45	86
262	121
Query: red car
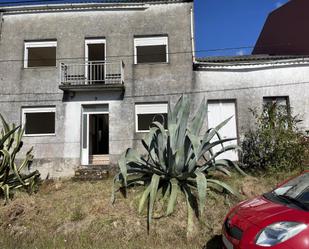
278	219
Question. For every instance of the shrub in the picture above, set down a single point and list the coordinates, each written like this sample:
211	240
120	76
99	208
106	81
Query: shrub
276	143
178	161
11	174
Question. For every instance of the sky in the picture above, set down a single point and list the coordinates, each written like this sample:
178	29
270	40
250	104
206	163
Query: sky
221	24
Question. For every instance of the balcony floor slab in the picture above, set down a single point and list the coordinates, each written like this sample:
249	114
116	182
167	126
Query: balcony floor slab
93	87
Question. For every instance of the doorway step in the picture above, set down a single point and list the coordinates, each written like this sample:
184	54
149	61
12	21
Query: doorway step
99	159
92	172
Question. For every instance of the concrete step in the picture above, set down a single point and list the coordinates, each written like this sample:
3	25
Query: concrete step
99	159
92	173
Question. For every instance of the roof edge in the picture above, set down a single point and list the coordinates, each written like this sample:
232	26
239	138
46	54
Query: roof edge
54	7
249	61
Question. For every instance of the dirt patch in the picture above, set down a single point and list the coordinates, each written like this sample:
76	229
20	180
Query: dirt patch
252	187
51	185
74	226
14	212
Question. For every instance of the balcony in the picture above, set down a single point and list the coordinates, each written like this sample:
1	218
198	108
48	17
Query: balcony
92	76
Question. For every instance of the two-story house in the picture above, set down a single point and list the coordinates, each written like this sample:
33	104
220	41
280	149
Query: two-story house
87	79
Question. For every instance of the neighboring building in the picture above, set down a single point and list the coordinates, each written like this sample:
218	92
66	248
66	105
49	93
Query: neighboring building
87	79
237	84
286	30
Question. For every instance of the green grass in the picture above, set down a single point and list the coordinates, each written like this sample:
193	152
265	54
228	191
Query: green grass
75	215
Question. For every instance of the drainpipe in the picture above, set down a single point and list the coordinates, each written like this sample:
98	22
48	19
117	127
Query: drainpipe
192	34
1	23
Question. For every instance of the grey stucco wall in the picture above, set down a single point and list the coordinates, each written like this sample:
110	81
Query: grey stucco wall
21	87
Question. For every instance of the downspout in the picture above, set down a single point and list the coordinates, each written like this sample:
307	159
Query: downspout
1	23
192	34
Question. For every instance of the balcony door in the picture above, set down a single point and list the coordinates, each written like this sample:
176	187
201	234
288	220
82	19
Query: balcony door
95	56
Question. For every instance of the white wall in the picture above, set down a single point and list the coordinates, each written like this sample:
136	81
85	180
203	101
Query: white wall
249	84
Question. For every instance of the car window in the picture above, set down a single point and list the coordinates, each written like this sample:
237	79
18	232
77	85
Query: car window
304	197
297	188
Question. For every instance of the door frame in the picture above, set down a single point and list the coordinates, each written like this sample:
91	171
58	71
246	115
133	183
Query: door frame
85	151
93	41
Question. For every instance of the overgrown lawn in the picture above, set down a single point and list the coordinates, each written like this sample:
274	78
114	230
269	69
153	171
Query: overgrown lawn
68	214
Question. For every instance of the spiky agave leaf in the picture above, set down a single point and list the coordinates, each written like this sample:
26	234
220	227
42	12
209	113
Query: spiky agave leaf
198	120
201	183
11	176
144	199
224	186
154	184
191	208
7	135
173	196
5	125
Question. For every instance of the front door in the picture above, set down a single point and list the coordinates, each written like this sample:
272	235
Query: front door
95	136
98	139
95	61
218	111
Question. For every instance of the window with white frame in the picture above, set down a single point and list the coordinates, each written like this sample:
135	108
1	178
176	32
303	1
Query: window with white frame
145	114
151	49
40	54
39	121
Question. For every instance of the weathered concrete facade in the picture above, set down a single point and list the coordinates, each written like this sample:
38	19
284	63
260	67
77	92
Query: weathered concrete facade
118	24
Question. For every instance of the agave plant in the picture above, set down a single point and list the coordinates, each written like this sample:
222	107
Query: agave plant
11	174
178	160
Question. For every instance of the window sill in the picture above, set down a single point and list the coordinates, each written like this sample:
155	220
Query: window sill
152	63
142	132
40	135
42	68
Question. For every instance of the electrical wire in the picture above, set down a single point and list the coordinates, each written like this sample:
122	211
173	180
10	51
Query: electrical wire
132	55
168	53
163	94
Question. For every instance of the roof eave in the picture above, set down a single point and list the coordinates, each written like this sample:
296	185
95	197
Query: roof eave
84	6
199	65
68	6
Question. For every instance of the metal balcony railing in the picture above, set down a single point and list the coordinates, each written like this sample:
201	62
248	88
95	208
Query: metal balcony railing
92	73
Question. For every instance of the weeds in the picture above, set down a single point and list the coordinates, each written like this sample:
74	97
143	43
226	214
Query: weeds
80	216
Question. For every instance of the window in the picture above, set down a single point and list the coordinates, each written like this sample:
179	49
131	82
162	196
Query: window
151	50
40	54
39	121
281	102
145	114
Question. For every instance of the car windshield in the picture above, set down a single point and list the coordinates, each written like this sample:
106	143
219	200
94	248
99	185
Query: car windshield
295	190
